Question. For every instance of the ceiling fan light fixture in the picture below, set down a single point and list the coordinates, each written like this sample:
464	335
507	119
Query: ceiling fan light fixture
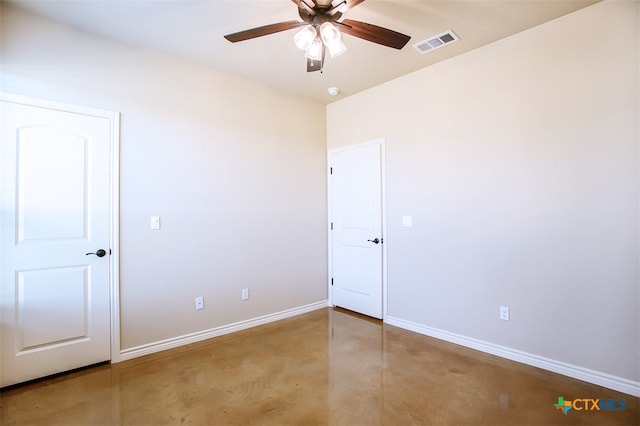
336	48
319	30
332	39
314	52
305	37
329	33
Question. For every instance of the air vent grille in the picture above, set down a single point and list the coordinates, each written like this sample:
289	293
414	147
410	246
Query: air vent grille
436	42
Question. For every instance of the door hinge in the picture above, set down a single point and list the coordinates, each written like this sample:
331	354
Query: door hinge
330	170
332	226
331	281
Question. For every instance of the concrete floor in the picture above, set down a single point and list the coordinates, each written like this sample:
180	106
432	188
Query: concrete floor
324	367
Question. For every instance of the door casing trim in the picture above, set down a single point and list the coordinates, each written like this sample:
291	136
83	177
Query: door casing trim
383	189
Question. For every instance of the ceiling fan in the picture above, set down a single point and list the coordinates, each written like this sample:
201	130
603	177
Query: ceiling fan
321	30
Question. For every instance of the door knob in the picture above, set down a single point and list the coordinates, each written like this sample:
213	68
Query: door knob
99	253
375	240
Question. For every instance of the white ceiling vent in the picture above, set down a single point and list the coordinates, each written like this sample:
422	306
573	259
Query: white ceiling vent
436	42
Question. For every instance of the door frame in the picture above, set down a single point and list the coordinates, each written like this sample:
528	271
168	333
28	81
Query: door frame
114	200
383	198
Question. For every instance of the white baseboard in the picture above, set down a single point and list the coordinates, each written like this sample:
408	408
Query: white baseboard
596	377
186	339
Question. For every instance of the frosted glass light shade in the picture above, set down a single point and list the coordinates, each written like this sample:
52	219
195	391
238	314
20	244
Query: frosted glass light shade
314	52
332	39
329	33
305	37
336	48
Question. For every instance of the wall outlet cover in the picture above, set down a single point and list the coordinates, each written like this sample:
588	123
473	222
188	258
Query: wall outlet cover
154	222
504	313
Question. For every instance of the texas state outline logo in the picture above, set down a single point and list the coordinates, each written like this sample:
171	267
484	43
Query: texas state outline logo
563	405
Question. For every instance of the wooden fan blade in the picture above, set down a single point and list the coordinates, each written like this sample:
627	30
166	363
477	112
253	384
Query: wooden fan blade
374	33
303	5
345	5
262	31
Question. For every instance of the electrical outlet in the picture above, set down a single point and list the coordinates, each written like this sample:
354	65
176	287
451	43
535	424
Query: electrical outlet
154	222
199	302
245	294
504	313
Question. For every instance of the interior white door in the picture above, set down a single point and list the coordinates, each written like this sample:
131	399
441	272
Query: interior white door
356	237
55	209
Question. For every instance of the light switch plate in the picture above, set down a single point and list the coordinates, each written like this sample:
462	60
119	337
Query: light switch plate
407	221
154	222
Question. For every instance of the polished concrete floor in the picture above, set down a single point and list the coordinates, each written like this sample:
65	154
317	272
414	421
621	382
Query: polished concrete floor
324	367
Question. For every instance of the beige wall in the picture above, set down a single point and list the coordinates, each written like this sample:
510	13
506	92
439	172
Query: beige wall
519	164
235	170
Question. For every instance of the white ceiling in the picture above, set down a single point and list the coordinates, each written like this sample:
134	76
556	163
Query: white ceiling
194	29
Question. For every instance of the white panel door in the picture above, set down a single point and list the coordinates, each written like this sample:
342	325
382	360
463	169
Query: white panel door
55	209
356	238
